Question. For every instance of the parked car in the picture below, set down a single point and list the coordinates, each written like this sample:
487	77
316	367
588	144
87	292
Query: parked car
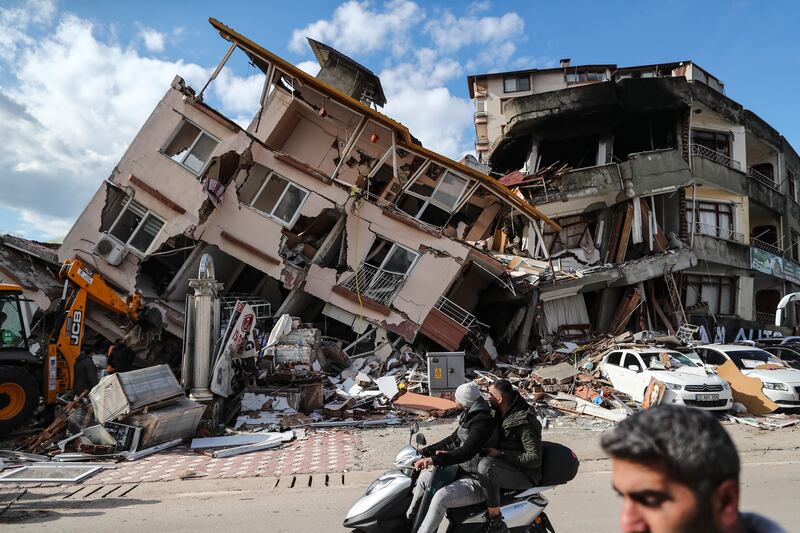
777	341
781	384
686	381
788	353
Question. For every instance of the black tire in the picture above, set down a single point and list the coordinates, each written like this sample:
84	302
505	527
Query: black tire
19	397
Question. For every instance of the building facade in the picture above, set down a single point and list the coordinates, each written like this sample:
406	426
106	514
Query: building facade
660	154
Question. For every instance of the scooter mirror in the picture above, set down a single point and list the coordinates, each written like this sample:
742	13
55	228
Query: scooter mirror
414	427
420	438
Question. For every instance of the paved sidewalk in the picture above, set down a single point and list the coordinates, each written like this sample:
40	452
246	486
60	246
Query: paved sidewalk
322	451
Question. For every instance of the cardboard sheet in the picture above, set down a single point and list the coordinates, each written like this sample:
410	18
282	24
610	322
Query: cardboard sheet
425	403
746	390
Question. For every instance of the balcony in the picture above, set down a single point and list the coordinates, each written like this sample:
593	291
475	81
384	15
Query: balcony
717	157
761	245
721	245
456	313
374	284
762	178
447	324
765	318
720	233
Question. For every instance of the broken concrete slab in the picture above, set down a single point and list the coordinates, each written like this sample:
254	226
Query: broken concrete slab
560	373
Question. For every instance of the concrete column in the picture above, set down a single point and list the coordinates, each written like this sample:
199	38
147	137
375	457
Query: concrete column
524	335
205	293
609	299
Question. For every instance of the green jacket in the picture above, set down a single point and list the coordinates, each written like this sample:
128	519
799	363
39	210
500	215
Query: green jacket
521	437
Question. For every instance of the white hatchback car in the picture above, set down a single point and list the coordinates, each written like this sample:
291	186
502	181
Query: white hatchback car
781	385
686	381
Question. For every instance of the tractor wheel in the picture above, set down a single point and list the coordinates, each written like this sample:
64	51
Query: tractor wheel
19	396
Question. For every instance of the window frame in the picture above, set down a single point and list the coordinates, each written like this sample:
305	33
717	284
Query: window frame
428	200
181	163
271	216
127	244
516	79
711	206
392	248
713	136
697	282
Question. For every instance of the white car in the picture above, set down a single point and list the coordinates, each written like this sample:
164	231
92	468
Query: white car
781	385
687	382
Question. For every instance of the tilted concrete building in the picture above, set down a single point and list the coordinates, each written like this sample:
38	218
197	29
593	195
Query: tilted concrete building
654	158
322	208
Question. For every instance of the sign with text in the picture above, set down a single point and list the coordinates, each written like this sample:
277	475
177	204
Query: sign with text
733	330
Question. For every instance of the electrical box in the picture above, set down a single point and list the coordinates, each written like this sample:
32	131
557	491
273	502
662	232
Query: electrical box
445	371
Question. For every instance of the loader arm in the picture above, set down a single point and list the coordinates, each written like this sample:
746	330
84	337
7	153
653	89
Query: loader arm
81	285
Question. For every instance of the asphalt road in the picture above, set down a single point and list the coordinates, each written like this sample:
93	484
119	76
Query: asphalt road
771	482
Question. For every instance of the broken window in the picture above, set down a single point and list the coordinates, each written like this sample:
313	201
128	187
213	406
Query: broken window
577	152
136	226
383	271
791	180
713	218
433	195
795	246
718	292
713	140
513	84
372	149
644	133
191	147
280	199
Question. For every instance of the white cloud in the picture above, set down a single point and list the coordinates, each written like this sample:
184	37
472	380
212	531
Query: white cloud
311	67
451	33
355	27
15	21
72	105
154	40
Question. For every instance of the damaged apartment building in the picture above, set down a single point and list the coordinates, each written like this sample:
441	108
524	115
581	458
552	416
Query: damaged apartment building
675	204
322	208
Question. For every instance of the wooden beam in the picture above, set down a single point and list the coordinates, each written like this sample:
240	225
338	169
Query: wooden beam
624	236
625	310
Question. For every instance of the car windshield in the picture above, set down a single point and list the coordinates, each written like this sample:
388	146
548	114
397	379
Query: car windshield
658	360
753	358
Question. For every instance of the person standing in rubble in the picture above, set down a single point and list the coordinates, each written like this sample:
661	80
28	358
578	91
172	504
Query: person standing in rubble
677	470
516	462
476	430
120	357
85	374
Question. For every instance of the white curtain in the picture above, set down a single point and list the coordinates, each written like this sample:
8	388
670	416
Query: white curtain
569	310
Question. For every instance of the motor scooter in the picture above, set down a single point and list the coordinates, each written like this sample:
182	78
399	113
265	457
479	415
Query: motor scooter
382	509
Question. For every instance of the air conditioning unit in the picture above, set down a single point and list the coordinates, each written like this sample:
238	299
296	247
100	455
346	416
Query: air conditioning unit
110	250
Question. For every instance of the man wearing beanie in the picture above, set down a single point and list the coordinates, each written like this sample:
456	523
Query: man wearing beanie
476	430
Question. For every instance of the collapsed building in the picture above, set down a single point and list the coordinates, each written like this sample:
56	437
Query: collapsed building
322	208
675	203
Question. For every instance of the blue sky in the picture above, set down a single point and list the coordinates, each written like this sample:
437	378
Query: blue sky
78	78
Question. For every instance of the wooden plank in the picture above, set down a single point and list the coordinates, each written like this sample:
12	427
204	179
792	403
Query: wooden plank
663	316
646	229
660	241
625	310
616	227
624	236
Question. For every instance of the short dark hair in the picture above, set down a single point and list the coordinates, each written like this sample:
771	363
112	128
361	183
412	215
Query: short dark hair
689	444
504	387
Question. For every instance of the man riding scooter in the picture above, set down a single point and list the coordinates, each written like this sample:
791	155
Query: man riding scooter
476	430
516	462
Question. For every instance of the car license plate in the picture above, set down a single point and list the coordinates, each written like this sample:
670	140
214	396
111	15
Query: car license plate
707	397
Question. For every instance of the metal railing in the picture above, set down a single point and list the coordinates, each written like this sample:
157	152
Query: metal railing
761	178
768	318
721	233
375	284
455	312
717	157
761	245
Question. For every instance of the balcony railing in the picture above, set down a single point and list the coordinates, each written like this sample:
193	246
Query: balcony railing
765	318
455	312
373	283
761	245
720	233
761	178
717	157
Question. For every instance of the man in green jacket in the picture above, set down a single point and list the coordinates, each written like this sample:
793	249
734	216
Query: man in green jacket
516	463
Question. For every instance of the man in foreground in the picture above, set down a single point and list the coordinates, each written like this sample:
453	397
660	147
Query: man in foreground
677	470
516	462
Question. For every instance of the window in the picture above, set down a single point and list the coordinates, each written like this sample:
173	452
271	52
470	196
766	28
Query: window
787	355
713	218
796	246
480	106
718	292
614	358
383	271
585	76
136	226
713	140
12	332
711	357
280	199
515	84
191	147
433	195
792	181
632	360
